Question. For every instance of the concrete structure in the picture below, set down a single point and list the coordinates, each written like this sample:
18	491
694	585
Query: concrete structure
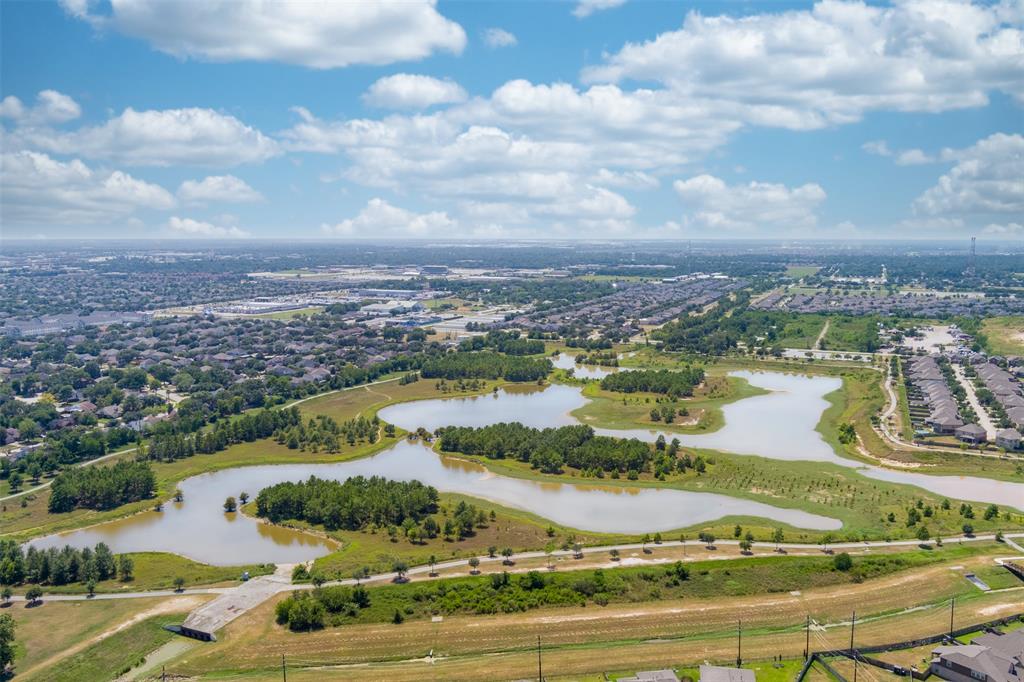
716	673
213	615
988	658
652	676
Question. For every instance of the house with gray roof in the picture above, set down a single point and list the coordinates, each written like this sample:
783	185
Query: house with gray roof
718	673
1008	439
971	433
988	658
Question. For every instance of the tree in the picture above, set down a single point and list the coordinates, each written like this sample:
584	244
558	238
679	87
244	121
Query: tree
400	568
923	534
778	537
7	626
125	567
90	587
179	584
507	553
230	504
474	564
178	495
318	579
826	540
34	594
745	546
842	562
614	554
6	594
643	542
492	551
577	550
968	529
431	561
244	497
398	618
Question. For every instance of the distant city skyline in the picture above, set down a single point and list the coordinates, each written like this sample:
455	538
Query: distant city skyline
600	119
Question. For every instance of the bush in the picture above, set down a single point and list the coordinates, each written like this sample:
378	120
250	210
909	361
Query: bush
842	562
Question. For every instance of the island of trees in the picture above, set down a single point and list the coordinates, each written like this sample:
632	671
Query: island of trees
485	365
100	487
673	383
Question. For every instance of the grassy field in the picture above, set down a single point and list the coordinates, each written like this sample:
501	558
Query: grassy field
800	271
44	633
1005	335
635	584
847	333
581	642
114	655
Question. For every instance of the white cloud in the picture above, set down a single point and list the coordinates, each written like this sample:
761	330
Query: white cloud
712	204
187	227
412	91
877	147
913	157
192	136
625	180
1004	230
380	218
320	35
37	189
499	37
218	188
584	8
807	69
988	178
51	107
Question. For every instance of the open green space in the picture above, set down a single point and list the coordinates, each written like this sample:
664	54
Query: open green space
800	271
1004	335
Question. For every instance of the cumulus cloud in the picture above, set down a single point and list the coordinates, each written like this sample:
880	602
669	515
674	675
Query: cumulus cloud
499	37
1015	230
713	204
320	35
625	180
218	188
877	147
830	64
584	8
986	179
379	218
51	107
913	157
187	227
411	91
192	136
37	189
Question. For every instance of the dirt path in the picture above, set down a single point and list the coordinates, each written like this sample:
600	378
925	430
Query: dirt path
173	605
821	336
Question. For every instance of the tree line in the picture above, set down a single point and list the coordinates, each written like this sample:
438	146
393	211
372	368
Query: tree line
171	445
509	343
673	383
485	365
101	487
323	432
549	449
354	504
63	566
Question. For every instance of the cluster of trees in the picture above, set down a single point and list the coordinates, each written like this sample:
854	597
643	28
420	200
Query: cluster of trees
101	487
355	504
598	358
485	365
509	343
549	449
61	566
323	432
303	611
588	343
673	383
667	413
171	445
63	449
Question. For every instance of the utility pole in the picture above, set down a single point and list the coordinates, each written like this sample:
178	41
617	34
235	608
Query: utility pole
163	673
540	670
807	643
853	624
284	672
952	604
739	643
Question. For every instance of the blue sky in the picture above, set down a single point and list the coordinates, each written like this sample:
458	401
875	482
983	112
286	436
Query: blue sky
490	120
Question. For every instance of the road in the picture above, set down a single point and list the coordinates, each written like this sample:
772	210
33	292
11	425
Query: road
984	421
111	455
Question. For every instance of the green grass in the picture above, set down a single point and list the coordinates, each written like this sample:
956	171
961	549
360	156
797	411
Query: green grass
848	333
801	271
998	577
114	655
707	580
1004	335
288	314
